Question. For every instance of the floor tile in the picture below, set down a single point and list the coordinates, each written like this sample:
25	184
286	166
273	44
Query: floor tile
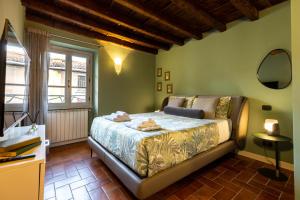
66	181
205	192
98	194
63	193
224	194
49	191
245	195
82	182
81	194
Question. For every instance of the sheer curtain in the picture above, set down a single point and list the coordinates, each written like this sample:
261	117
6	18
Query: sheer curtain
36	42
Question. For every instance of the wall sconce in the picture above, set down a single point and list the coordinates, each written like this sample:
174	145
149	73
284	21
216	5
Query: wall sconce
118	65
272	126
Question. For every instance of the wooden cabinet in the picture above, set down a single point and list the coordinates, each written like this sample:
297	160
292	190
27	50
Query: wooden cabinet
24	179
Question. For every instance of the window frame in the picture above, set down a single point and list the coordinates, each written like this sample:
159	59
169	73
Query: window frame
19	107
69	52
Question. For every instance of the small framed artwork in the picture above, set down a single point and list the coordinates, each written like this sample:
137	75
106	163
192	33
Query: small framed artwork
159	86
169	88
159	72
167	76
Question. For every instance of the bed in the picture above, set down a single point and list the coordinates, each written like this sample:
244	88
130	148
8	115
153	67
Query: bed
184	145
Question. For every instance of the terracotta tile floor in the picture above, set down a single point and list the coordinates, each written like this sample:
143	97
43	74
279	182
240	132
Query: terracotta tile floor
72	174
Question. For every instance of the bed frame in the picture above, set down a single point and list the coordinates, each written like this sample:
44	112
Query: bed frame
147	186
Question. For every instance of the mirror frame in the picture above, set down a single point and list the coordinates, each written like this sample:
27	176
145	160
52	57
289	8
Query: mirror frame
290	61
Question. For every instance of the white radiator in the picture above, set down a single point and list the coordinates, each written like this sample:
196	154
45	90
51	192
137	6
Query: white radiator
67	126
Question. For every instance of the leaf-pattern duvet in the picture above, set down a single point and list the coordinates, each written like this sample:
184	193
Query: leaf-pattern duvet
148	153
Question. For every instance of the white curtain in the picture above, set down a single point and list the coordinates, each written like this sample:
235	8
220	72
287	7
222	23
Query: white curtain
36	42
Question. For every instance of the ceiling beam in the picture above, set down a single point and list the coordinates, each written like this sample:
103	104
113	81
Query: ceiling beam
48	21
84	22
265	3
138	7
199	14
246	8
90	7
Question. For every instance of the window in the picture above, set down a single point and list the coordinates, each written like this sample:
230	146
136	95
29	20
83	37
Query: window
69	78
15	80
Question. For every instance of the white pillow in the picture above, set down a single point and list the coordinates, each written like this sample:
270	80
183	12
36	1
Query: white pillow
207	104
175	101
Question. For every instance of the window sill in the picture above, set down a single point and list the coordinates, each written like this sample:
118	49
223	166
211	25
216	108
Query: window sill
75	108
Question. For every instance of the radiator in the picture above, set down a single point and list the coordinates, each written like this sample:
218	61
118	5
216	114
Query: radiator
67	126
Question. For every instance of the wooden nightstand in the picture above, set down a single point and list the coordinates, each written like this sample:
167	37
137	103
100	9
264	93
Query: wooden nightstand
276	139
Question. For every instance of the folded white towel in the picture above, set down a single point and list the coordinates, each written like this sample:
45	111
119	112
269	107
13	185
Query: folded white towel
143	125
119	116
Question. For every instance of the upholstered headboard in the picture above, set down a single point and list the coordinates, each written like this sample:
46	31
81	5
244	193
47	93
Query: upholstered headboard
239	118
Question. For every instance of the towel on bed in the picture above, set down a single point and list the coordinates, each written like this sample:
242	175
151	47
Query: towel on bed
143	125
118	116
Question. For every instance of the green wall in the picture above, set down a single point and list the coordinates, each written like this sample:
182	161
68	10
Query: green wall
131	91
14	11
295	5
226	64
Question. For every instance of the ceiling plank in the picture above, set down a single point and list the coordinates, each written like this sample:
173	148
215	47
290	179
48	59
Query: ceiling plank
265	3
199	14
94	9
245	7
48	21
138	7
83	22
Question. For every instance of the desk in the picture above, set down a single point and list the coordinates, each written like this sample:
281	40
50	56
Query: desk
24	179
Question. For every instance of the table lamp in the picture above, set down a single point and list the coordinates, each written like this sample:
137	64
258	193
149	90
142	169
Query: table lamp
272	126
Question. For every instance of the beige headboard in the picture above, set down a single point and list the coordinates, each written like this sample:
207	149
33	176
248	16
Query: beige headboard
239	118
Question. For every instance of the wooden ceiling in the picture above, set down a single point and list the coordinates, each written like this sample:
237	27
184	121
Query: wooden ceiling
146	25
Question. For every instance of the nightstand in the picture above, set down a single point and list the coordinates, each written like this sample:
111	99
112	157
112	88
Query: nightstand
276	139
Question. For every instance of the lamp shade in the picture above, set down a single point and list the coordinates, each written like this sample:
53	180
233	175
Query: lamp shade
272	126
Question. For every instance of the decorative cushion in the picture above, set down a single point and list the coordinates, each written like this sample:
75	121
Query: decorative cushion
175	101
188	102
185	112
223	108
207	104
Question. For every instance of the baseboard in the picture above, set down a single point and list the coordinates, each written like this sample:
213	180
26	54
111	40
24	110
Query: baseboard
67	142
264	159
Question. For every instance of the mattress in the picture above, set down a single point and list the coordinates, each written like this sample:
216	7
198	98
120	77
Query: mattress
148	153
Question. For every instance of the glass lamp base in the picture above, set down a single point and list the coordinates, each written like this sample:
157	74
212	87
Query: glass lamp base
271	173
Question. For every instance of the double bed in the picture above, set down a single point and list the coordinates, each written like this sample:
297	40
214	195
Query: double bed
147	162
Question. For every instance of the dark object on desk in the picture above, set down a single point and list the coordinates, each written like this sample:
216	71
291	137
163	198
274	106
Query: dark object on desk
271	173
18	142
275	130
19	151
266	107
3	160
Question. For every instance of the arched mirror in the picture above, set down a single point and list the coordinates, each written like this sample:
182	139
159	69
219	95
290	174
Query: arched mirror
275	71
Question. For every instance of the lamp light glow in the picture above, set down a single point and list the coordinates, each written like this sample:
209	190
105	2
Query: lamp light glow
118	61
118	65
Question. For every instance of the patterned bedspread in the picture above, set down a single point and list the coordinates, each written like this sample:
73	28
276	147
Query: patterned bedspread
148	153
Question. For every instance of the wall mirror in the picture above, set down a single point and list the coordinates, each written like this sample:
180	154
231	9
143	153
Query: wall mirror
275	71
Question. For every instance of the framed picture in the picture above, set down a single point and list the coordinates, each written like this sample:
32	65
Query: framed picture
159	86
159	72
169	88
167	76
